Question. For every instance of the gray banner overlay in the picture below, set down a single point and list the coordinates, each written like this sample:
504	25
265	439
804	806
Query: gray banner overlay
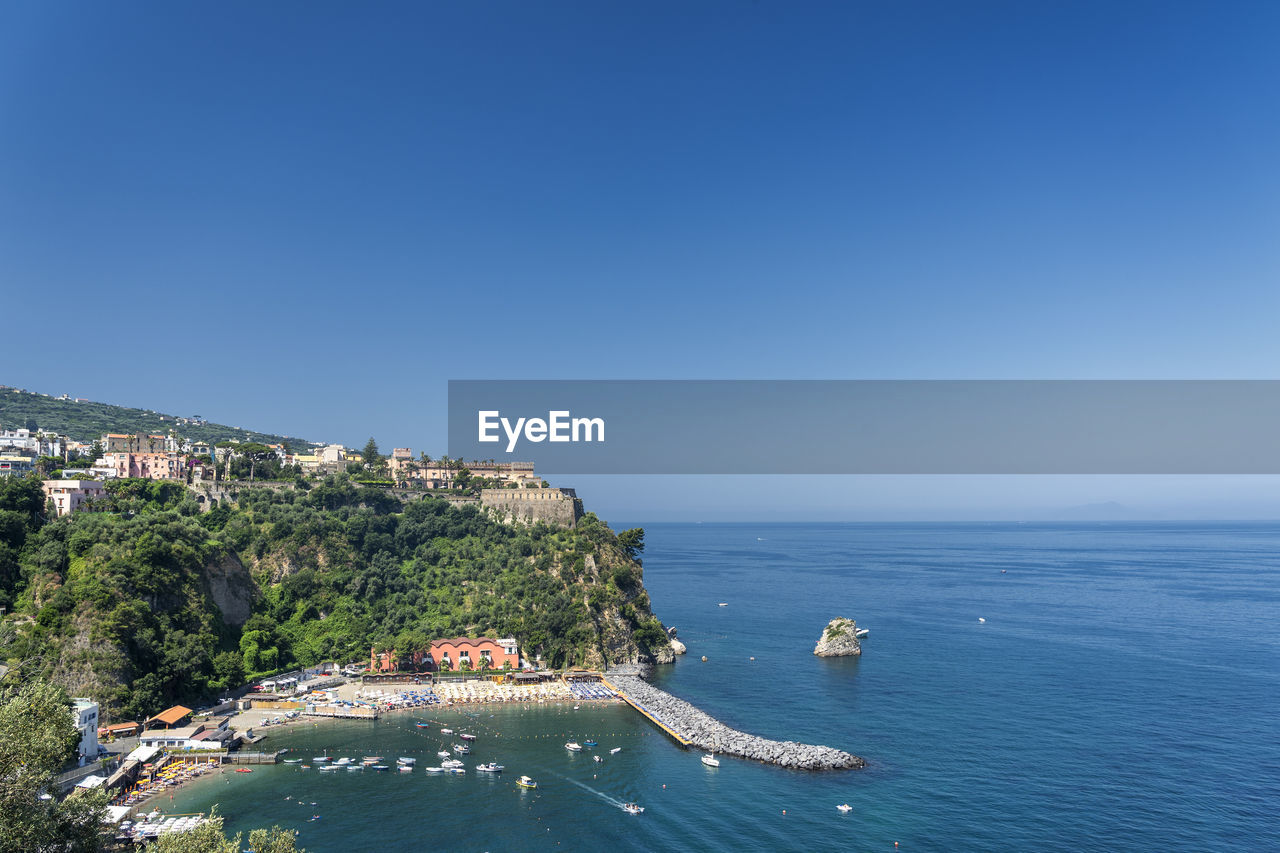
870	426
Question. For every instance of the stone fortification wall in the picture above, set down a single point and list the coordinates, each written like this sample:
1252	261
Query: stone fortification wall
529	506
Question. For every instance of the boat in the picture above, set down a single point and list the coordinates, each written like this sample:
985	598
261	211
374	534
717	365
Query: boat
724	604
330	767
352	768
596	758
320	759
589	743
491	767
861	633
467	737
452	762
845	807
457	770
244	770
405	768
408	762
710	760
632	808
526	782
461	749
573	746
435	769
343	761
380	767
444	753
423	725
293	761
446	731
575	707
615	750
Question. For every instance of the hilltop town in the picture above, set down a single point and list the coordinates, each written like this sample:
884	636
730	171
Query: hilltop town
76	469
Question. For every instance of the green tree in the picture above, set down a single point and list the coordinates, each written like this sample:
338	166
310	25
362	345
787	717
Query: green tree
370	456
632	542
37	736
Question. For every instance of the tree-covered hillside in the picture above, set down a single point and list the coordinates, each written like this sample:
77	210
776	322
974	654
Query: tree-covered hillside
87	421
148	601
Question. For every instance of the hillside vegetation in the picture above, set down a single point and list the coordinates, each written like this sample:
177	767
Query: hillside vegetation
87	421
148	601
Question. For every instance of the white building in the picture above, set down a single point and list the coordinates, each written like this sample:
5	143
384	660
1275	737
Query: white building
85	712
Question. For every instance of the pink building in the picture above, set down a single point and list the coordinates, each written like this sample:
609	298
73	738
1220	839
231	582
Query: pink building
69	495
147	466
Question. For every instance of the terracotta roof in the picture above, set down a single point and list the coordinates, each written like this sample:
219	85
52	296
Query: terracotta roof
171	716
462	641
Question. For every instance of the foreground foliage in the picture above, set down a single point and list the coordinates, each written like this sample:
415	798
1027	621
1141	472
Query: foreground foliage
209	837
37	737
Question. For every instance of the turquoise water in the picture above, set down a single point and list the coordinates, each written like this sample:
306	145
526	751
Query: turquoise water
1121	694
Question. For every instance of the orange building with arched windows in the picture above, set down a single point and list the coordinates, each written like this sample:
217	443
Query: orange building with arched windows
451	654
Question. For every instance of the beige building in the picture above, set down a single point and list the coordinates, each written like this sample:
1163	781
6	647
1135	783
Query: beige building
69	495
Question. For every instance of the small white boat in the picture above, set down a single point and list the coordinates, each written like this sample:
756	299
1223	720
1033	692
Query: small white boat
461	749
632	808
616	749
575	707
573	746
710	760
407	762
724	604
405	768
845	807
980	619
379	767
597	758
343	761
435	769
354	768
450	764
861	632
444	753
446	731
491	767
467	737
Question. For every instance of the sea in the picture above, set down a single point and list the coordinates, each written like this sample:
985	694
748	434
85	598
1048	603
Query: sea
1023	687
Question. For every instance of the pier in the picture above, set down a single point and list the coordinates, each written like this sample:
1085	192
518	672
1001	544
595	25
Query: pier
676	736
691	727
342	712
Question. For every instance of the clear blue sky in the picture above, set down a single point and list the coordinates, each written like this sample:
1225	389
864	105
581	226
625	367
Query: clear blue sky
307	217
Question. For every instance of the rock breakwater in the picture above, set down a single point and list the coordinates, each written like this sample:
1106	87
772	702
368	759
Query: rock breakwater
706	732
